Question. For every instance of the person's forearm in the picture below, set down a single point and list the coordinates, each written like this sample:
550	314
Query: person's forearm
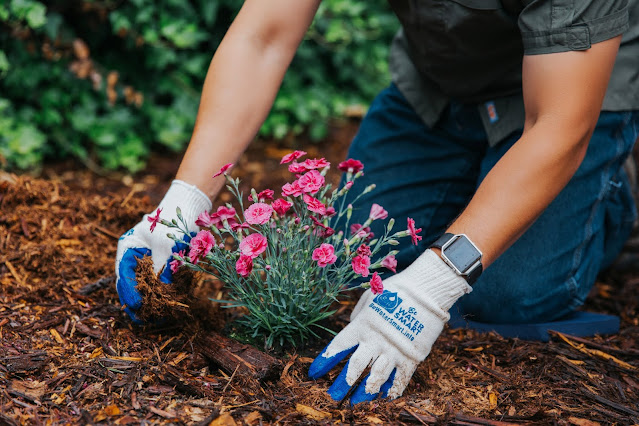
520	186
240	87
563	94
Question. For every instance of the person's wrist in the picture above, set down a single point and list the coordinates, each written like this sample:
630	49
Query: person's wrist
430	277
189	198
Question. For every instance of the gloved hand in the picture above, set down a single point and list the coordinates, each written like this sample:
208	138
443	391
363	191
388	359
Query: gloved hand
140	241
392	332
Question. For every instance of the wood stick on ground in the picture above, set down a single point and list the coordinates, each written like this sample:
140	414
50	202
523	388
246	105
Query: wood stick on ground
422	418
581	371
598	345
231	355
616	406
490	371
97	285
596	352
471	420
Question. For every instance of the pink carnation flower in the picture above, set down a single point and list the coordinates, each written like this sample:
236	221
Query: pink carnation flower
258	213
281	206
360	265
413	232
322	230
296	167
324	254
154	219
244	265
377	287
314	205
201	245
253	245
292	189
223	169
225	213
267	194
235	226
390	263
356	229
292	156
315	163
351	165
205	220
311	181
176	263
364	250
377	212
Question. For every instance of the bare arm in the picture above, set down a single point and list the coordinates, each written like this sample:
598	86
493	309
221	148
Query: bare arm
240	87
563	94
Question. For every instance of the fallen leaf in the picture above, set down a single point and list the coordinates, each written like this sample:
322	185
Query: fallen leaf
112	410
126	420
374	420
252	418
311	412
492	399
582	422
56	336
224	420
33	389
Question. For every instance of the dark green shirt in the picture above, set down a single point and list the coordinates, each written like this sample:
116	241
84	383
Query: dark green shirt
472	50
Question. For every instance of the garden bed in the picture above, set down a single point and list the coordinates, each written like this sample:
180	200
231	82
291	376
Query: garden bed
69	354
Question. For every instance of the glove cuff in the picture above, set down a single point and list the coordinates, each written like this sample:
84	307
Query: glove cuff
191	200
430	275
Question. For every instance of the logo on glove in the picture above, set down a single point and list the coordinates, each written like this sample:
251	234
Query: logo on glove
388	300
404	320
126	234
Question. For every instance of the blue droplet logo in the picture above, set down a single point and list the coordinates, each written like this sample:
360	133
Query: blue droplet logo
126	234
388	300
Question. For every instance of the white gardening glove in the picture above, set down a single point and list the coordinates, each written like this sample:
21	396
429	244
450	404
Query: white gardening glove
140	241
392	332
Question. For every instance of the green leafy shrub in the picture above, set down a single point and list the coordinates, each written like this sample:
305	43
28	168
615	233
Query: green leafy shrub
107	81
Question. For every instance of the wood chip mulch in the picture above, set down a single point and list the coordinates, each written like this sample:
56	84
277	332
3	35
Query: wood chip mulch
69	355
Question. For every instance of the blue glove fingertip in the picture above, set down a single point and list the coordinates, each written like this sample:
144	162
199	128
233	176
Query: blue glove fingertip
127	292
134	318
340	387
360	394
322	365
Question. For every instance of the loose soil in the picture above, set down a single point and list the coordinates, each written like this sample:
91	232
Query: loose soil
69	354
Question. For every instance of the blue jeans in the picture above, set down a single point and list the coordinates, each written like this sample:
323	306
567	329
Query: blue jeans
431	174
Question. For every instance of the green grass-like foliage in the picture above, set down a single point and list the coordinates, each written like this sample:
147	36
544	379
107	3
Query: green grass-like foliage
107	81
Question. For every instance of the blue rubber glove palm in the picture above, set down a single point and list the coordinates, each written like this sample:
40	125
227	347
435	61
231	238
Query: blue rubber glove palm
392	332
140	241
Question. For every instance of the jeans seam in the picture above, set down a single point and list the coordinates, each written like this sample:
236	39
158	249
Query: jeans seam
571	282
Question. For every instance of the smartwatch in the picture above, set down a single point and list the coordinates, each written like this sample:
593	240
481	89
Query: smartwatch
461	255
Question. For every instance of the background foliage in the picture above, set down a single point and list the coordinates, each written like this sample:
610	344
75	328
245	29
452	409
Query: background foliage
108	81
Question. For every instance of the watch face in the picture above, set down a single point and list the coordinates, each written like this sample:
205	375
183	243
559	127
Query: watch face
462	254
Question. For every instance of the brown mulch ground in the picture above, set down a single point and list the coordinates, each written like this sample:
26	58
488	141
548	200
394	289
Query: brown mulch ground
68	354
